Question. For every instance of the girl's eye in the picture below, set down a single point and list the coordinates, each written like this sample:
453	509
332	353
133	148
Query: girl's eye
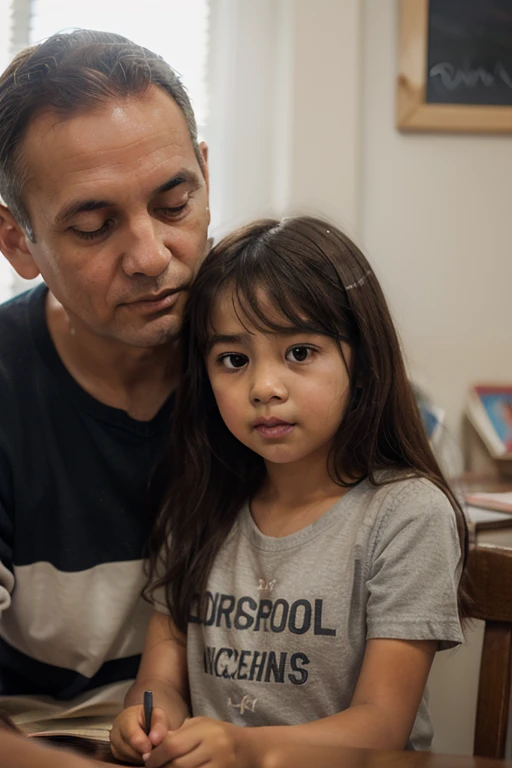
93	234
233	361
299	354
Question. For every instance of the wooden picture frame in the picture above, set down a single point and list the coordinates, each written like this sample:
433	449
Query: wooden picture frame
413	111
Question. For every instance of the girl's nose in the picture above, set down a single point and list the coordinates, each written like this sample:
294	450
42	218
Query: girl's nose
267	385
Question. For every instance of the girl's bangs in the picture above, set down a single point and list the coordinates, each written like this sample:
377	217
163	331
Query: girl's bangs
268	295
260	306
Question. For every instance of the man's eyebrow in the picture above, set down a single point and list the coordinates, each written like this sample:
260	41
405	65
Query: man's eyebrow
80	206
223	338
183	177
84	206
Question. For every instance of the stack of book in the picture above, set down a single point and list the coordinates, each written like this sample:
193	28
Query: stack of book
489	510
489	410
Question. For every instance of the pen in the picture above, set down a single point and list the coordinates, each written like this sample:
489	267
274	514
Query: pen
148	710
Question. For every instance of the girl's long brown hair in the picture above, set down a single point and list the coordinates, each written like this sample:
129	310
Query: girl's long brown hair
320	282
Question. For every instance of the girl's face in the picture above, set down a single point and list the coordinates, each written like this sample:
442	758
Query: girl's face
282	394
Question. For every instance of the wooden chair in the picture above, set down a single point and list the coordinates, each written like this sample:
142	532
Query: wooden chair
490	571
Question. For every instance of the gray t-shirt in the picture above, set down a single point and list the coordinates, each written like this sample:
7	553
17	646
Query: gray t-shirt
287	619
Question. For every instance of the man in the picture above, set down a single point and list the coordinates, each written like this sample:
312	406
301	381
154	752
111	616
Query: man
106	196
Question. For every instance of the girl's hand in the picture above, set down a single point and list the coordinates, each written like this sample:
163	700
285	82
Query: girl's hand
199	741
128	740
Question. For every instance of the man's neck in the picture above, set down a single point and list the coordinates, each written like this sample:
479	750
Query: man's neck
136	380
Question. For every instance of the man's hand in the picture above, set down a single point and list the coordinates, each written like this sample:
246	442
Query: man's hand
199	741
128	740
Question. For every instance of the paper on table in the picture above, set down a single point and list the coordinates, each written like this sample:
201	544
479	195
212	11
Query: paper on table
477	515
501	502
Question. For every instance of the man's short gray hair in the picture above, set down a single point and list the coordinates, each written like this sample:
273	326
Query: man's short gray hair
68	73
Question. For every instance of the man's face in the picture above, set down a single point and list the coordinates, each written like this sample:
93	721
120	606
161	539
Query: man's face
119	208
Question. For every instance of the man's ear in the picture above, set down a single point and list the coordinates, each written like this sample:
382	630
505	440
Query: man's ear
203	148
14	246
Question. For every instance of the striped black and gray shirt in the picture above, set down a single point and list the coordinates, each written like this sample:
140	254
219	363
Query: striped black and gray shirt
73	521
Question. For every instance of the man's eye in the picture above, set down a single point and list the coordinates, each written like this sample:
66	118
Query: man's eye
175	211
233	361
299	354
92	234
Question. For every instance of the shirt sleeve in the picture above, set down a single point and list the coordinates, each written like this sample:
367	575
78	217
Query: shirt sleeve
414	568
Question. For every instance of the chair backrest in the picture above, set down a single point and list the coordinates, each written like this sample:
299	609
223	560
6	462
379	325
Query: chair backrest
490	571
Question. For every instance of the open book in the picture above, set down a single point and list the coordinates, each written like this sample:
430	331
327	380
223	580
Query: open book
90	741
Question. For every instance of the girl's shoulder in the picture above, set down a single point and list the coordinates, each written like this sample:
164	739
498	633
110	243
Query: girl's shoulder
394	488
410	507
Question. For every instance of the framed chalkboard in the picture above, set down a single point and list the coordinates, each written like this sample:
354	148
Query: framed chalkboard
455	65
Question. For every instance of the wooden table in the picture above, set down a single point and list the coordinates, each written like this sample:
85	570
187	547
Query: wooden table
19	752
471	483
298	756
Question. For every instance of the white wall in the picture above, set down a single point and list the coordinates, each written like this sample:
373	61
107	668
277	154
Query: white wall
285	109
436	220
324	98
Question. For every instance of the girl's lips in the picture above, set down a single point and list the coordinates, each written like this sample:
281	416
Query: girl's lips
277	430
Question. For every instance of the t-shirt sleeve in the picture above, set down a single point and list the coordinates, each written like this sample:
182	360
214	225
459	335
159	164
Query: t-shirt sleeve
414	568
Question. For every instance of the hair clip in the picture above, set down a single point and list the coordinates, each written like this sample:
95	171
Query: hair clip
359	282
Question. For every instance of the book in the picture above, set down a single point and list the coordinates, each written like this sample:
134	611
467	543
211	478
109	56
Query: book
85	745
431	416
499	502
91	742
484	519
489	409
433	419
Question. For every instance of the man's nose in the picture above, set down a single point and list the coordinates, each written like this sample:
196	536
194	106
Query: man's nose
267	384
145	252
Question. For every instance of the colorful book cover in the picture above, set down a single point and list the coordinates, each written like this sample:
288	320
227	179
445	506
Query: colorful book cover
431	416
497	403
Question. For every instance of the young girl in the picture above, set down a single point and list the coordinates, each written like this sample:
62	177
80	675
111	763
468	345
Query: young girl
313	549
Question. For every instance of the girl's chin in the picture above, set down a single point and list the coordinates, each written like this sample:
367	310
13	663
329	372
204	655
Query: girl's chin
272	457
